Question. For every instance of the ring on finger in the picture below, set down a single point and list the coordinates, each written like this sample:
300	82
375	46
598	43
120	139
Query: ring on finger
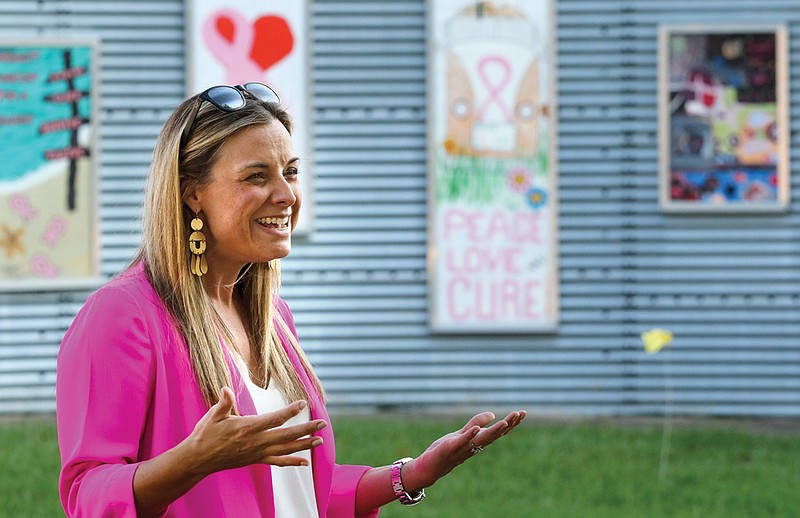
473	448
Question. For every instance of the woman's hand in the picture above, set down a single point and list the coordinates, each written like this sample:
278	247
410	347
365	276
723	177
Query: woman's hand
223	441
447	452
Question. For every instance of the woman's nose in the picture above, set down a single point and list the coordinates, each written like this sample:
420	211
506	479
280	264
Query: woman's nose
283	193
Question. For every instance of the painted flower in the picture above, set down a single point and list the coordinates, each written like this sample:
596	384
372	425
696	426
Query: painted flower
519	179
449	146
656	339
536	198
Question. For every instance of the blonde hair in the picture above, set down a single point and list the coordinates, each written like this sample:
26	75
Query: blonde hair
165	254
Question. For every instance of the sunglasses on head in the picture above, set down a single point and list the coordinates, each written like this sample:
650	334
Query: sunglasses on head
228	99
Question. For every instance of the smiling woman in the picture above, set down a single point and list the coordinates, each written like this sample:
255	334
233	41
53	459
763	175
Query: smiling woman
181	387
251	196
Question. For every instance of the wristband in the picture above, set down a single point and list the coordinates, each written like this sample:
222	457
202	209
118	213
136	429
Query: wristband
400	492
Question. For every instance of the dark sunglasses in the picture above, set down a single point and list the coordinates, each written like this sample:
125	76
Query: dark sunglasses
228	99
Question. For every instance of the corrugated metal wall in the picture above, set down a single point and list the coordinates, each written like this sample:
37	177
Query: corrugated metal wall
726	285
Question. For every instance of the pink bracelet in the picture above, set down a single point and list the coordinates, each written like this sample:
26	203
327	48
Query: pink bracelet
400	492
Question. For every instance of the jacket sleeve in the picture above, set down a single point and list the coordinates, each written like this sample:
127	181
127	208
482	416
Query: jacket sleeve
104	380
343	492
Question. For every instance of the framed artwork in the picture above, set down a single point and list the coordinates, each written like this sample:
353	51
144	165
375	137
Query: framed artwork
723	121
492	193
48	141
257	40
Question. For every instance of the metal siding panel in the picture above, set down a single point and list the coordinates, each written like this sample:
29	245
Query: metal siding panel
728	287
724	285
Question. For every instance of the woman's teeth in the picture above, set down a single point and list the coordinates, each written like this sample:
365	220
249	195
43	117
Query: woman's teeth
278	222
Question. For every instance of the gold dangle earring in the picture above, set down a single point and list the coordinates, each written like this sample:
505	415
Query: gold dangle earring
197	245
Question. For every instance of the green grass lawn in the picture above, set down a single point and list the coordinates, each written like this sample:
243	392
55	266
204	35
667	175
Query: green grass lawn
563	470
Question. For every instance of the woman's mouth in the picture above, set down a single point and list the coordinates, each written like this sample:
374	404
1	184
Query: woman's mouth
279	223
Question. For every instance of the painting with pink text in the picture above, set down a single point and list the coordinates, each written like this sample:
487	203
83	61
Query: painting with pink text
48	219
266	41
492	166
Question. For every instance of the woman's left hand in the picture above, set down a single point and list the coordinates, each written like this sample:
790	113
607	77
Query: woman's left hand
447	452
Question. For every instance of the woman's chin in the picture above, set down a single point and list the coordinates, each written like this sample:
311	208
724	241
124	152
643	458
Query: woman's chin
278	253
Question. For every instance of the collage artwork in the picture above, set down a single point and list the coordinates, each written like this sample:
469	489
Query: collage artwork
725	125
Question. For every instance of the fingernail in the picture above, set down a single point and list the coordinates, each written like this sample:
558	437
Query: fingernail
302	405
321	425
504	425
304	463
316	442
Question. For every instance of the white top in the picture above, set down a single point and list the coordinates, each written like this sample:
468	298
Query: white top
292	486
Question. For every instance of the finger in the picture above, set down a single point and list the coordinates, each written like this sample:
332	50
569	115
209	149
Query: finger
487	436
224	407
522	415
279	417
285	460
512	419
464	439
283	434
481	420
290	447
513	423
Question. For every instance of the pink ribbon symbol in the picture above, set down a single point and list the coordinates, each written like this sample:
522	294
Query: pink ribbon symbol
494	86
20	204
55	229
233	54
41	266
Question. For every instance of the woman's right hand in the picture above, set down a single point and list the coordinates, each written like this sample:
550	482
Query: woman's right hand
223	441
218	442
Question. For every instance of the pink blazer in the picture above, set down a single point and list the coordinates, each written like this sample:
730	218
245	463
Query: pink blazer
125	392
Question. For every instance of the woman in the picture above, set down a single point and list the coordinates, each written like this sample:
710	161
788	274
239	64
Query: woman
181	388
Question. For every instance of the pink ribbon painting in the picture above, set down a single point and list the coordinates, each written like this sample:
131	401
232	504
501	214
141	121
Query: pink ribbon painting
247	50
56	228
42	267
20	204
495	86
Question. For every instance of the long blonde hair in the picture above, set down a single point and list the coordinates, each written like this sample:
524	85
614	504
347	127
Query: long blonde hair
166	257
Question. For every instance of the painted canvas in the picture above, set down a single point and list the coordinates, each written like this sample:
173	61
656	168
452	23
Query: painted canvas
724	122
48	229
492	179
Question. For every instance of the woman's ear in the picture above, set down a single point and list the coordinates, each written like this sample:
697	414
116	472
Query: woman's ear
191	197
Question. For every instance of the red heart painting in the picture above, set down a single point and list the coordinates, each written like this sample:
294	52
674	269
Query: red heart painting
272	39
